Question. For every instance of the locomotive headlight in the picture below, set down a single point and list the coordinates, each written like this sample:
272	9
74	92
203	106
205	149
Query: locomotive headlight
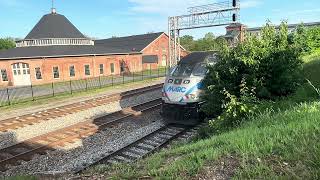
186	81
192	96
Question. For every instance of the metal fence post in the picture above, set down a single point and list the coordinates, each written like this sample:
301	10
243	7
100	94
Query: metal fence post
112	79
133	77
165	71
123	78
142	73
52	86
71	87
32	92
100	82
158	72
86	84
8	96
150	71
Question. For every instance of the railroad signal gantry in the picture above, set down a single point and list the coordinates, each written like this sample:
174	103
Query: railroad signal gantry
217	14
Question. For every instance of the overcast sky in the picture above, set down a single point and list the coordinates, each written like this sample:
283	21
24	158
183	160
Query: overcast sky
106	18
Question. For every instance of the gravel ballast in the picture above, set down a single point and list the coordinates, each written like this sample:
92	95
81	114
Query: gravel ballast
91	148
15	136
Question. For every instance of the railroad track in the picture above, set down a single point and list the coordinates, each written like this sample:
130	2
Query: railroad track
144	146
34	118
25	151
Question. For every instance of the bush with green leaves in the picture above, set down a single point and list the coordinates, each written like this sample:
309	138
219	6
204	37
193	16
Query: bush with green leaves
7	43
268	66
307	39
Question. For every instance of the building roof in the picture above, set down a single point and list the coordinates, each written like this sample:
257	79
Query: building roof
54	26
58	51
121	45
129	43
235	25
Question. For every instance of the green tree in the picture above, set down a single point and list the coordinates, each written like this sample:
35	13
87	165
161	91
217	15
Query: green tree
187	42
208	43
209	36
264	67
7	43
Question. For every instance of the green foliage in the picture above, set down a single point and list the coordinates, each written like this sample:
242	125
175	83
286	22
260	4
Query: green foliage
235	107
307	39
265	67
7	43
208	43
187	42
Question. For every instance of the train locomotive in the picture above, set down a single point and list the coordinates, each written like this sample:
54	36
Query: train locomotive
181	93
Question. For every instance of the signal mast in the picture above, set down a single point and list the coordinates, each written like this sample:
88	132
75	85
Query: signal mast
210	15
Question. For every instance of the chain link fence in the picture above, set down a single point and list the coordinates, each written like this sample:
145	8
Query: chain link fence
13	95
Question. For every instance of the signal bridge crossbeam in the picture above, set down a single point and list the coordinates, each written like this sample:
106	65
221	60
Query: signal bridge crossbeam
217	14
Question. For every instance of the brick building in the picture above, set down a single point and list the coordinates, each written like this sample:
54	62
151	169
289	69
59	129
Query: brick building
236	32
55	50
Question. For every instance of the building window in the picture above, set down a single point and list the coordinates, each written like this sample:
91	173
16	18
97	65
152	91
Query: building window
112	68
20	69
72	71
87	70
101	68
56	74
4	75
38	73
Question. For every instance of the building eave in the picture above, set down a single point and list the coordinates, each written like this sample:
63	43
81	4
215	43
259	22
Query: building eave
61	56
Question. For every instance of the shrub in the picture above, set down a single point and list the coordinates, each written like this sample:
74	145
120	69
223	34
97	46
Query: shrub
264	67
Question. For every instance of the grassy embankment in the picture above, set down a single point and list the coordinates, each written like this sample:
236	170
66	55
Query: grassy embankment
282	141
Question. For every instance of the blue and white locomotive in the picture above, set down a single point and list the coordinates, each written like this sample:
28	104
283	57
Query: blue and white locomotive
181	93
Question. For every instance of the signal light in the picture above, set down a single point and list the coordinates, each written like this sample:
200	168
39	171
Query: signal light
234	17
234	3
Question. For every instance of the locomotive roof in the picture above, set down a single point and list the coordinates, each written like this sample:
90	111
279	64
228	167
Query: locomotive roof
196	57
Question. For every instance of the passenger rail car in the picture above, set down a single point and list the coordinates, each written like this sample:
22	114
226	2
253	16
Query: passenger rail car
181	93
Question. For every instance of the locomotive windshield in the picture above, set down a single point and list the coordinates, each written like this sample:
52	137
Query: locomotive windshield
186	69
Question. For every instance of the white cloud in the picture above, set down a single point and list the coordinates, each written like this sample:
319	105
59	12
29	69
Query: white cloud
250	3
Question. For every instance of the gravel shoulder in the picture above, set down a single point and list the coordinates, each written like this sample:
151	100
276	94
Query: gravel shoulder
15	136
87	150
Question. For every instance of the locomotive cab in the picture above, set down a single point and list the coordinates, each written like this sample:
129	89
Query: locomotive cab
181	93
